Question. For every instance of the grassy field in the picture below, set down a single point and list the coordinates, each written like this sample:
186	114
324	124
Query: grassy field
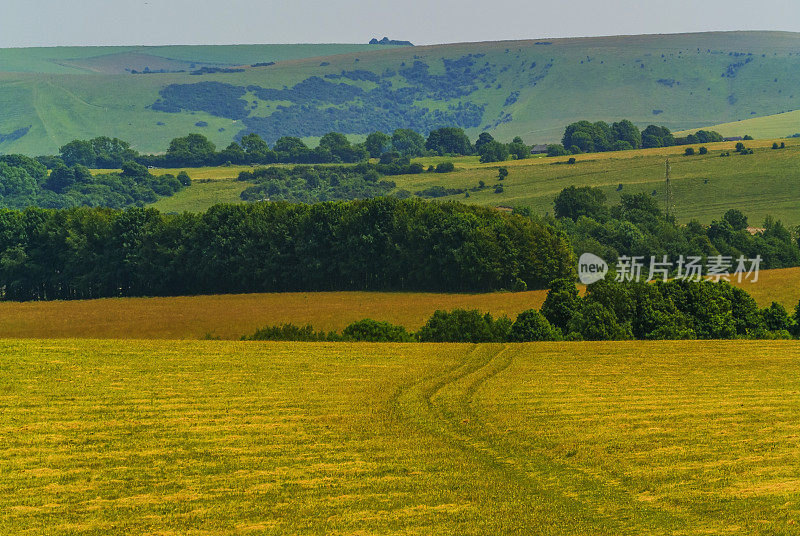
534	87
770	126
765	183
107	60
232	315
203	194
704	187
289	438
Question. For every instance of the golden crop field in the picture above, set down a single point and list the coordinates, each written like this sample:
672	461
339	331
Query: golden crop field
207	437
229	316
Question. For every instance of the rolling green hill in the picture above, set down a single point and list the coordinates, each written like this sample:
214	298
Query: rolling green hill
770	126
764	183
528	88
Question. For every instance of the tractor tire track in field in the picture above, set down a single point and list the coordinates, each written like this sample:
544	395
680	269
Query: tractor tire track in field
435	406
553	497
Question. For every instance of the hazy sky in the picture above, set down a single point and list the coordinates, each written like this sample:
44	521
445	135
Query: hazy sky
151	22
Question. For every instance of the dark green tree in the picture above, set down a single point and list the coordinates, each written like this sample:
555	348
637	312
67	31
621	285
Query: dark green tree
628	132
574	202
408	142
191	150
493	151
594	322
531	325
378	143
448	140
483	139
562	303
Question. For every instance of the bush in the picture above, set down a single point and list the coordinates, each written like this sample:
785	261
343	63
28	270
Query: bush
368	330
531	325
460	325
621	145
287	332
556	150
689	151
797	320
597	323
445	167
502	173
703	150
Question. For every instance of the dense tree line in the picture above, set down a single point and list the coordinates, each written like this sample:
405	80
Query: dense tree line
587	137
314	184
608	311
379	244
638	227
26	182
195	150
677	309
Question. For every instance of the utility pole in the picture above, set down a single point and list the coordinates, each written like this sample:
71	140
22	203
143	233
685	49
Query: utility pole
670	203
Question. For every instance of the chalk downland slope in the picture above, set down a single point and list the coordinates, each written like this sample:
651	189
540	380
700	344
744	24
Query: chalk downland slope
529	88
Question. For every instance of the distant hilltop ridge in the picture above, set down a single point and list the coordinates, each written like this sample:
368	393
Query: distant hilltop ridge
526	88
387	41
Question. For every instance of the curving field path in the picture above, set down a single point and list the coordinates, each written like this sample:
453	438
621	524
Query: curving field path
205	437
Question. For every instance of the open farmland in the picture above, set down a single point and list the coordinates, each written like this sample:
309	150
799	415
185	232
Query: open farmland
230	316
764	183
303	438
761	184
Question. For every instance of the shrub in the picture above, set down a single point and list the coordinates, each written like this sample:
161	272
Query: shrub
445	167
368	330
531	325
287	332
460	325
597	323
703	150
621	145
502	173
689	151
556	150
571	160
797	320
